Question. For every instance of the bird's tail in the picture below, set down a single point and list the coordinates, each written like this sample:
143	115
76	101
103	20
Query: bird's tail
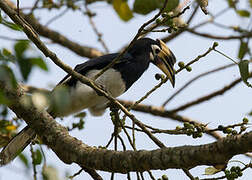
16	145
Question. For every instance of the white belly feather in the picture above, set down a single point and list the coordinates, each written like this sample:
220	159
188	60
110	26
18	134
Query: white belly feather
83	96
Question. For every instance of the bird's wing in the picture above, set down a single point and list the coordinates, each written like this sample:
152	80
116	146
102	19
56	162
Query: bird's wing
96	63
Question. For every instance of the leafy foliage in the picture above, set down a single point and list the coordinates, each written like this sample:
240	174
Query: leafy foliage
243	13
37	157
147	6
211	170
7	76
10	25
243	49
24	160
244	71
26	63
122	9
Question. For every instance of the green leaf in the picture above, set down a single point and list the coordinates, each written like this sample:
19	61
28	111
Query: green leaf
38	61
81	115
7	56
24	160
1	19
250	113
243	49
20	47
172	4
3	99
25	67
122	9
7	75
145	6
79	125
232	3
11	25
25	64
211	171
243	13
244	71
37	157
6	52
250	3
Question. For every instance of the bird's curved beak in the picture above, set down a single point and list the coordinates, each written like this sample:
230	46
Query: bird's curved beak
165	61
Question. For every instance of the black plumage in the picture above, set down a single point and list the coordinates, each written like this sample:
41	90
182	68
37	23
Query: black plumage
116	80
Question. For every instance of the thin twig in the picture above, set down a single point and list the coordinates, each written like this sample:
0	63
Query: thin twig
10	39
187	172
43	154
40	45
33	163
34	6
76	174
116	121
92	173
225	56
197	58
161	112
194	79
18	7
174	35
142	176
139	33
57	37
211	36
208	96
166	79
165	19
128	137
99	35
56	17
110	140
138	176
122	142
151	176
133	134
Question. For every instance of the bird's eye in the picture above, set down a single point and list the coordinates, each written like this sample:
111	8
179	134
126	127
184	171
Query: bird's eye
157	51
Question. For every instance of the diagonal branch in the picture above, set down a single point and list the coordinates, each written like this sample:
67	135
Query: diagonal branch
161	112
194	79
212	36
209	96
31	34
71	150
56	37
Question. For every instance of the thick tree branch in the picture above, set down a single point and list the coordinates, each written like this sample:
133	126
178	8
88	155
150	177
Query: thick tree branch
153	110
72	150
160	111
40	45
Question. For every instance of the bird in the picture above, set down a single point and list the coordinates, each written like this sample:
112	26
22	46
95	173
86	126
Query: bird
115	81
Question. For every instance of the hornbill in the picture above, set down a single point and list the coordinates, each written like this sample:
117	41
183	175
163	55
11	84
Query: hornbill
115	81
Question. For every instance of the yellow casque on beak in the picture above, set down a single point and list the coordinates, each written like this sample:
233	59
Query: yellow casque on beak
165	62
